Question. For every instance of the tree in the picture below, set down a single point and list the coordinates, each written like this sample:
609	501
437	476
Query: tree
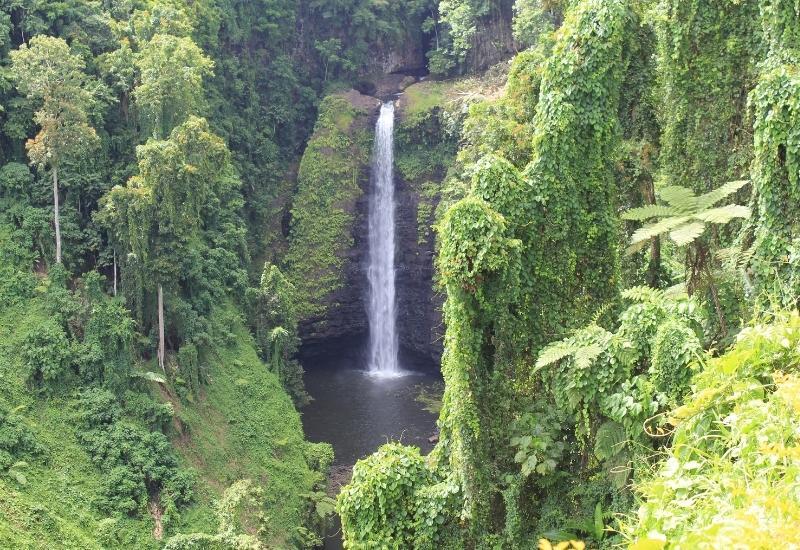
171	87
685	215
161	209
684	218
46	71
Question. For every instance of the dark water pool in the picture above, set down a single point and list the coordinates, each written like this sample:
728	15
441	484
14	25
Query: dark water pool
357	412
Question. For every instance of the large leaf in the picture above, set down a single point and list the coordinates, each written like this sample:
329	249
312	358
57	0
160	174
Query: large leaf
585	355
636	247
679	197
609	440
618	469
554	353
724	214
687	233
713	197
655	229
151	376
648	211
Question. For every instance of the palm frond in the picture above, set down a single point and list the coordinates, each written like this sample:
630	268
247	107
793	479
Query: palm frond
713	197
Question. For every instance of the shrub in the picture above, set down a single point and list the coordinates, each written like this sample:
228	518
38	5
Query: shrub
47	352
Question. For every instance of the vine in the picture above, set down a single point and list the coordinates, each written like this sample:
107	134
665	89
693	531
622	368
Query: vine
776	168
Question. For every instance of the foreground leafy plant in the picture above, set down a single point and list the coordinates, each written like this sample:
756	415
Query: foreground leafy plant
733	472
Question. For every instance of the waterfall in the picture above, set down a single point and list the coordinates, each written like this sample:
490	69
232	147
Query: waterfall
382	313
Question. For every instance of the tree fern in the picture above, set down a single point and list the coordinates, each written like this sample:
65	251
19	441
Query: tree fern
685	215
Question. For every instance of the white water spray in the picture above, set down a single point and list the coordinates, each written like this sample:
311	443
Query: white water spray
382	313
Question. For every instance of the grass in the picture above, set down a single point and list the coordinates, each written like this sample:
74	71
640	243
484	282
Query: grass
245	426
423	96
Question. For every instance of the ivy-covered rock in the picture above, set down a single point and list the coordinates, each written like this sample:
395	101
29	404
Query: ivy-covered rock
322	261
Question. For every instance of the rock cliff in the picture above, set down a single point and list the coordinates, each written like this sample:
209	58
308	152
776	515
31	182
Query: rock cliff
327	257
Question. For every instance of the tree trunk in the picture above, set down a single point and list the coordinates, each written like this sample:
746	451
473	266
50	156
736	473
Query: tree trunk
115	273
56	216
654	267
161	348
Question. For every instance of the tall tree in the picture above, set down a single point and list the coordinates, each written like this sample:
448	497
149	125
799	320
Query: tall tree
46	71
171	82
161	209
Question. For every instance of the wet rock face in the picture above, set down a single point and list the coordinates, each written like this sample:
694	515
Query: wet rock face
326	256
419	306
346	312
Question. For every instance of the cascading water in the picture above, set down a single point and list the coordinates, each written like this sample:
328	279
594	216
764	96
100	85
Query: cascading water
383	340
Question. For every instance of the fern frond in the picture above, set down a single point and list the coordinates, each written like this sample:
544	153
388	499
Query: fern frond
687	233
278	334
712	197
555	353
643	294
609	440
676	291
681	198
648	211
736	256
586	354
724	214
657	228
151	376
636	247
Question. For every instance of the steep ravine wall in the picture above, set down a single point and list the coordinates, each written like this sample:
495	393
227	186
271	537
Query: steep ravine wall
327	257
328	228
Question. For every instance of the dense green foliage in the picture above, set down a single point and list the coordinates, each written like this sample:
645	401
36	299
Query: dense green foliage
173	220
570	401
732	473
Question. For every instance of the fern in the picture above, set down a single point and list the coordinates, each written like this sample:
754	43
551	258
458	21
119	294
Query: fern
643	294
609	440
555	353
685	215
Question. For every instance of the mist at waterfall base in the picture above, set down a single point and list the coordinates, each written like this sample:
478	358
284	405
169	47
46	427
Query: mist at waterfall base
365	393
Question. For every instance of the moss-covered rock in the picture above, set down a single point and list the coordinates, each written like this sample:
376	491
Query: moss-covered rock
327	217
426	140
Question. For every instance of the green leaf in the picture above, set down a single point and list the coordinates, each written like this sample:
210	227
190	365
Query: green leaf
724	214
599	524
685	234
678	197
554	353
19	477
634	248
609	440
657	228
151	376
618	469
713	197
585	355
648	211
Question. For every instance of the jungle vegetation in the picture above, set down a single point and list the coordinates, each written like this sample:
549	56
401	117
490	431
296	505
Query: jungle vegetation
613	190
